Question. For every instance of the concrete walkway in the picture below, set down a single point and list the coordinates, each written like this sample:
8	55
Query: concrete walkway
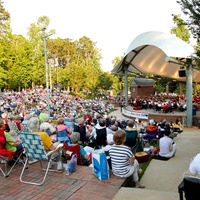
162	178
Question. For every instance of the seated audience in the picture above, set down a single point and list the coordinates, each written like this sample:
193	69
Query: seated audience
34	126
152	127
177	126
131	125
75	138
123	161
139	125
167	145
61	126
88	118
194	167
11	143
47	126
5	120
99	133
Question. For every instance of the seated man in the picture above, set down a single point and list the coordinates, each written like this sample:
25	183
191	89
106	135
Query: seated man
34	126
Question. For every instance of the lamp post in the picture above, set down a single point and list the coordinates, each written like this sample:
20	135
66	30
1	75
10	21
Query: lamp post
46	68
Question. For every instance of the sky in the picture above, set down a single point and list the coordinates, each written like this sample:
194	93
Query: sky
112	24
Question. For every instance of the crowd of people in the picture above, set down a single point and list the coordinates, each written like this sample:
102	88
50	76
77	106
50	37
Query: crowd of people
84	123
162	103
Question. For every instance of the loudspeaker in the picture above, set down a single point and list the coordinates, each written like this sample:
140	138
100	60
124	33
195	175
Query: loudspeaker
182	73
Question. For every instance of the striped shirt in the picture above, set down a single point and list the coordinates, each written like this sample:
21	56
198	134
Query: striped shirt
120	155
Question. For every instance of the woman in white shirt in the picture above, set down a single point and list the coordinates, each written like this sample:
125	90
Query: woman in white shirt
167	145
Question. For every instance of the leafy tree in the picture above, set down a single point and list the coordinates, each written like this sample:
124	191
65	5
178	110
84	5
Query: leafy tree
36	39
106	81
191	9
180	30
4	17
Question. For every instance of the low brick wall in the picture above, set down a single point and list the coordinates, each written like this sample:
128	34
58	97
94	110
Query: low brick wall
170	117
196	120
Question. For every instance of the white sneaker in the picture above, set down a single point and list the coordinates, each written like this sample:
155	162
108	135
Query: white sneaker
30	162
59	166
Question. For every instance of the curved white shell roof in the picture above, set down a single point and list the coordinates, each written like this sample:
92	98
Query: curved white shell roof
147	54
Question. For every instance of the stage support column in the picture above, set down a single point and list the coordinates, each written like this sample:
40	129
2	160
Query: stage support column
181	88
189	95
195	88
126	86
167	89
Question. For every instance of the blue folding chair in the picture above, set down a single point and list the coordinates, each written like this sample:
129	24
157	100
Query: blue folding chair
62	136
34	149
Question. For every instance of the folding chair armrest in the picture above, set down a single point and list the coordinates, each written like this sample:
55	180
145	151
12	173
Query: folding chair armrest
180	190
58	147
50	153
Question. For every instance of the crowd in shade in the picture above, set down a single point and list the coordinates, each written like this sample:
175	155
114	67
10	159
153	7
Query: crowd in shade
69	115
61	104
76	121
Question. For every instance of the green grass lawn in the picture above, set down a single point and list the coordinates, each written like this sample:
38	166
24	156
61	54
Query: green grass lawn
143	166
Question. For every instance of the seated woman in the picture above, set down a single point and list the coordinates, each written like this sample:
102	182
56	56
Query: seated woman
34	126
177	126
11	144
63	128
5	120
152	127
194	167
84	157
123	161
167	145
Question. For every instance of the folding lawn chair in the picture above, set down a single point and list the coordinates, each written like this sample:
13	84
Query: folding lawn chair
6	157
34	149
131	139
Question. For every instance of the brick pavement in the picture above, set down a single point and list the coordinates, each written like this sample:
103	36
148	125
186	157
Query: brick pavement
82	184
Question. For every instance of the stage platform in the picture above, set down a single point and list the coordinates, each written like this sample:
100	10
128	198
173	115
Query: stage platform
147	114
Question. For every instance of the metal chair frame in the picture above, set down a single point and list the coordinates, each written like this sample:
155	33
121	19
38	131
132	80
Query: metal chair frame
4	161
34	149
